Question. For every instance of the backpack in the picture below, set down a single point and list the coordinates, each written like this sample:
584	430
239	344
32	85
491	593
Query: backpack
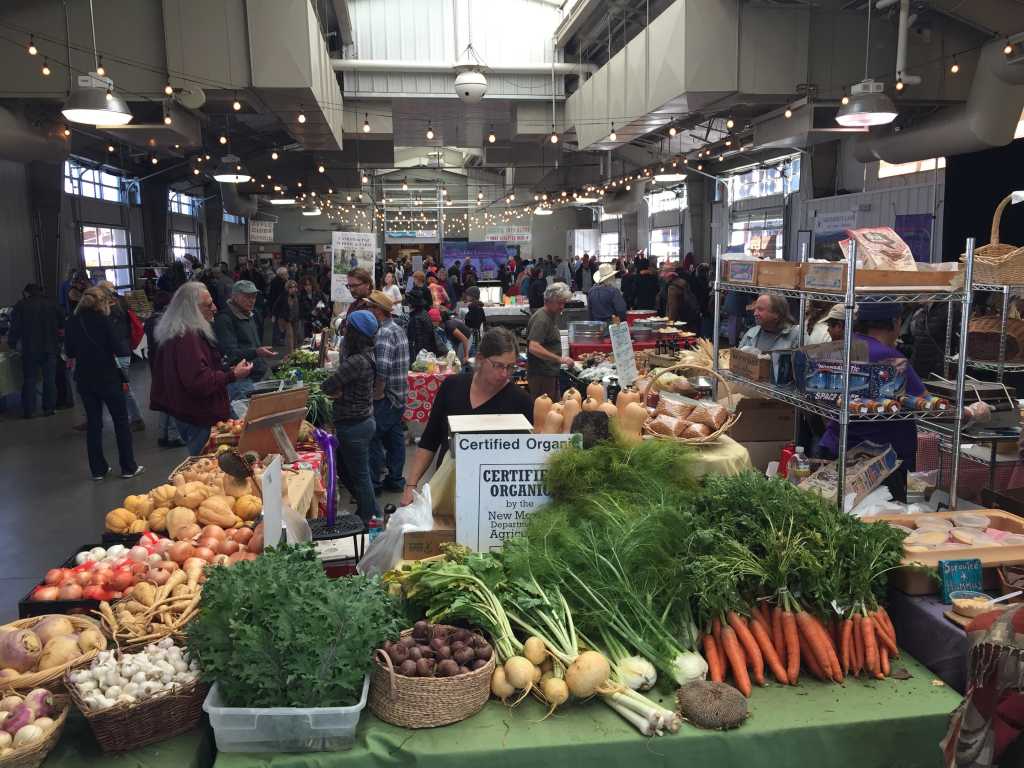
138	330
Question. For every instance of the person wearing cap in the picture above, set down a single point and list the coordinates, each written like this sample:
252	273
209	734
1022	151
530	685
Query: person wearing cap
775	328
238	336
351	388
391	387
878	325
825	323
604	300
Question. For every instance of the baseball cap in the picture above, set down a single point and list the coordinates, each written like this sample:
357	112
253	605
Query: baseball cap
837	312
364	322
381	299
244	286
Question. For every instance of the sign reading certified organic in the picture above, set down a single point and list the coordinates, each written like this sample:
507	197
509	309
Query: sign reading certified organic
261	231
499	482
508	233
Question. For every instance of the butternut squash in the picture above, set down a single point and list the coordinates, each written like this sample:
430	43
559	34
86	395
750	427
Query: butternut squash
158	519
541	407
631	422
217	510
573	394
590	404
570	409
595	391
553	423
162	496
626	396
191	494
247	507
610	409
119	520
178	518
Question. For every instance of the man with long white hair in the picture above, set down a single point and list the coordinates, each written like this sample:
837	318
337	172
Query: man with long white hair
189	380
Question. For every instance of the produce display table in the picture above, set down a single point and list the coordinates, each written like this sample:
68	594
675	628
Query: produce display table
929	636
77	748
723	456
576	350
302	492
422	391
877	724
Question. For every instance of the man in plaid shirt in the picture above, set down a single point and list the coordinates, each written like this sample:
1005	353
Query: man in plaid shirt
387	450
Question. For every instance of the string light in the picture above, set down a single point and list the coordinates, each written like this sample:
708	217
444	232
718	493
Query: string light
67	131
788	113
672	131
955	67
99	67
613	136
845	100
554	135
430	132
321	168
195	171
366	122
110	94
236	104
302	117
168	89
274	155
365	179
167	119
405	185
223	139
491	138
110	148
32	50
154	160
730	123
1008	48
899	82
46	67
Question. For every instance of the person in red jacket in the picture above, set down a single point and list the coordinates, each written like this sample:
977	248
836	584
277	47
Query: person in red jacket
190	381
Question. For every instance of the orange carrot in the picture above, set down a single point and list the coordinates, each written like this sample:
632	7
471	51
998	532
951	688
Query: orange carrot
714	660
778	636
760	633
753	653
792	643
716	631
888	626
883	660
845	641
757	610
830	646
737	662
858	645
885	640
807	656
867	630
833	631
815	642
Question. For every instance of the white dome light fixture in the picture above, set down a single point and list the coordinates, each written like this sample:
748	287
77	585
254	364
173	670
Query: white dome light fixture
470	85
868	106
230	171
94	102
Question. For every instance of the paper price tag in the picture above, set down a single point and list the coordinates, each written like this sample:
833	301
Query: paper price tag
622	351
272	504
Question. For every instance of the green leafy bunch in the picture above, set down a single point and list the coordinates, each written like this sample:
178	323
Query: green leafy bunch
276	632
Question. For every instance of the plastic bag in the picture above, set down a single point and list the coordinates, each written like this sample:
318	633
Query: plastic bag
386	549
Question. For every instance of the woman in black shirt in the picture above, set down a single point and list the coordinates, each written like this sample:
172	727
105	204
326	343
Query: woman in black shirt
488	390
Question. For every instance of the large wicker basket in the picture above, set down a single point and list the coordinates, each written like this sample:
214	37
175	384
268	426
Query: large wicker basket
33	755
125	727
729	422
998	263
52	678
426	702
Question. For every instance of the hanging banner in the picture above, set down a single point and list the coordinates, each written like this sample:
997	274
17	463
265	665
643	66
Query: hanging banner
829	229
508	233
350	250
261	231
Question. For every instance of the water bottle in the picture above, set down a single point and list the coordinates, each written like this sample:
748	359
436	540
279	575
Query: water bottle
374	528
799	468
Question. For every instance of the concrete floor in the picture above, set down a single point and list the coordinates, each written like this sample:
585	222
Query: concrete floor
50	504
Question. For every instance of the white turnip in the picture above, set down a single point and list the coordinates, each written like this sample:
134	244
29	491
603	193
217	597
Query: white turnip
20	650
500	686
534	650
519	672
587	674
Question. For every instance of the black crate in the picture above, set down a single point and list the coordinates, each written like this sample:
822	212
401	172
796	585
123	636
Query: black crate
28	608
127	539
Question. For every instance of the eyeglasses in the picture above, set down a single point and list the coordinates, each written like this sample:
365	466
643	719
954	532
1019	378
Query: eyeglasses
506	367
356	285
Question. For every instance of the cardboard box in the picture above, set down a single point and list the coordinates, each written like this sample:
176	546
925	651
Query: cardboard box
760	419
420	544
830	277
776	273
741	271
750	366
867	465
762	452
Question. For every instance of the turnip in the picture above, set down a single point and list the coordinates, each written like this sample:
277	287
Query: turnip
5	739
500	686
534	650
19	718
8	703
555	691
587	674
30	734
519	672
40	701
53	626
537	675
20	650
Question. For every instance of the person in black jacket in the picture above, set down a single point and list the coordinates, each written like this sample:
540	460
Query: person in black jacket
169	437
92	343
238	336
645	286
420	328
122	325
536	291
36	322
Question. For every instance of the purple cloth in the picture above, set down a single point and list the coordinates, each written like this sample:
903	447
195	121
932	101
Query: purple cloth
926	634
902	435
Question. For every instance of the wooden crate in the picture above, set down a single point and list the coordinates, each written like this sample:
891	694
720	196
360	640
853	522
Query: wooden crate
830	277
741	271
915	580
776	273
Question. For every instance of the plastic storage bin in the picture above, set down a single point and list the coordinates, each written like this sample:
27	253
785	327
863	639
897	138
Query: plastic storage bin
283	729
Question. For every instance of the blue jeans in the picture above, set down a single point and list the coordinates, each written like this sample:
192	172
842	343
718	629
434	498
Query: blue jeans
133	407
354	468
194	435
32	366
93	402
240	389
168	429
387	449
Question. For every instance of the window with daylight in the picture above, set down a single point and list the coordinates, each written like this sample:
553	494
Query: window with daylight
779	179
92	182
760	238
230	218
668	200
609	216
887	170
184	242
665	244
609	249
179	202
106	250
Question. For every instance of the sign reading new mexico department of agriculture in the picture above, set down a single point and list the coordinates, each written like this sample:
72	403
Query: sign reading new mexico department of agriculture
499	481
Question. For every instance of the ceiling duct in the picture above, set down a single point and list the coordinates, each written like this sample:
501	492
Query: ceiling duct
625	200
22	141
988	119
236	204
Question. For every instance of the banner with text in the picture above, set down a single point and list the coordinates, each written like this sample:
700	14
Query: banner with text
261	231
348	251
499	482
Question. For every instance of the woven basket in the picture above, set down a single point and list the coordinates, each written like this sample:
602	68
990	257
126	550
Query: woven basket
983	334
188	463
33	755
125	727
998	263
52	678
426	702
729	422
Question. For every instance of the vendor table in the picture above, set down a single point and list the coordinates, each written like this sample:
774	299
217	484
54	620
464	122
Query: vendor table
576	350
723	456
877	724
929	636
422	391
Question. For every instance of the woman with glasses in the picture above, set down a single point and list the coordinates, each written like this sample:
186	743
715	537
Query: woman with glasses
487	390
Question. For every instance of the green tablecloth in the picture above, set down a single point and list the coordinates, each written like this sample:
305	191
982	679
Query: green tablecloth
863	725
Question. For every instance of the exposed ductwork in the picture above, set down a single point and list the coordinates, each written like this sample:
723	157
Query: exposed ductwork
235	204
399	65
625	200
988	119
23	142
